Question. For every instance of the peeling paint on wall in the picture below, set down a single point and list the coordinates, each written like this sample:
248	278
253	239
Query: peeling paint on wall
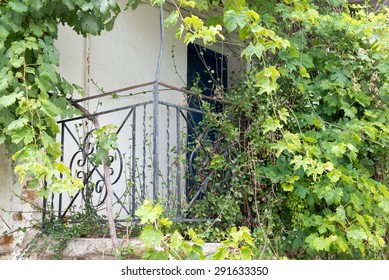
28	194
18	217
6	242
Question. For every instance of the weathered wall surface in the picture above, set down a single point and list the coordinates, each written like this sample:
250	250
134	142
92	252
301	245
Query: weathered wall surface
19	209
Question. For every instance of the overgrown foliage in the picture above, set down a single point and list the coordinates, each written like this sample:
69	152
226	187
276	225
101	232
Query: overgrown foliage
32	93
310	165
310	172
163	242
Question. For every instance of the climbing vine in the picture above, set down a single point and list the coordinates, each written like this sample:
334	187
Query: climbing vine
32	93
310	173
310	168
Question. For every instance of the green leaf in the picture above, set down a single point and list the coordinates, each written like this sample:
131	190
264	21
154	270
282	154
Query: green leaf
180	31
61	167
50	51
10	99
283	114
151	237
221	254
330	194
384	205
155	255
271	72
194	255
213	21
301	191
176	240
18	6
304	73
235	5
133	4
25	134
202	5
349	111
195	22
233	19
165	222
318	243
148	213
51	145
86	6
341	244
307	61
50	109
271	124
299	161
193	236
17	124
246	253
341	214
218	162
356	233
3	32
171	20
339	150
90	24
384	93
287	187
106	6
252	49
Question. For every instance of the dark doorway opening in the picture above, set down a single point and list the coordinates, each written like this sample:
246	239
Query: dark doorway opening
206	73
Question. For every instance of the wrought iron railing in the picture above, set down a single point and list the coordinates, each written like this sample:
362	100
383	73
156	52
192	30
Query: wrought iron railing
183	178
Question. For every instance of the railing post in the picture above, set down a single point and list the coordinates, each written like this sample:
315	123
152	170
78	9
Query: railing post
155	110
62	159
155	143
133	167
179	178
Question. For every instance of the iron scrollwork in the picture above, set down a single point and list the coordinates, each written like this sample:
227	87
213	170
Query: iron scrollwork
82	166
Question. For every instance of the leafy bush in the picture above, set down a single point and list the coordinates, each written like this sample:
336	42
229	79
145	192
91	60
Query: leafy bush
310	165
162	244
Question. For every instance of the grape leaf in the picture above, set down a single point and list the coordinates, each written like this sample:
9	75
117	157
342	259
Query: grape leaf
151	237
148	213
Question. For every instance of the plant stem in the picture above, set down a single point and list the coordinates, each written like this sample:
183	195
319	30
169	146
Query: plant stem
107	182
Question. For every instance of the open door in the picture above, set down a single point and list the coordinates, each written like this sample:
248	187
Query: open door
207	72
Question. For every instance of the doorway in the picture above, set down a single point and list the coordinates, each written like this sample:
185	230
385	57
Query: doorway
207	74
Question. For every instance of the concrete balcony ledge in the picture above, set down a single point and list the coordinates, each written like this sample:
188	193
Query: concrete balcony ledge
89	249
101	248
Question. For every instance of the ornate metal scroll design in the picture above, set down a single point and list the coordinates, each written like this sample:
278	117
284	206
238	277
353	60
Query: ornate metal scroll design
94	193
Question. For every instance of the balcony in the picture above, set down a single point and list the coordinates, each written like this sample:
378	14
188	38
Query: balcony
164	151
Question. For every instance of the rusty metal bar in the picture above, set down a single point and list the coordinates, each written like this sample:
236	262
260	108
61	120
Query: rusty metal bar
112	92
195	94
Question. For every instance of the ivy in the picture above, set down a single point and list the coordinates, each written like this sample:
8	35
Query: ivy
309	166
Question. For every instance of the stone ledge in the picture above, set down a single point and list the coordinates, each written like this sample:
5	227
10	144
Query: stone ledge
101	248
